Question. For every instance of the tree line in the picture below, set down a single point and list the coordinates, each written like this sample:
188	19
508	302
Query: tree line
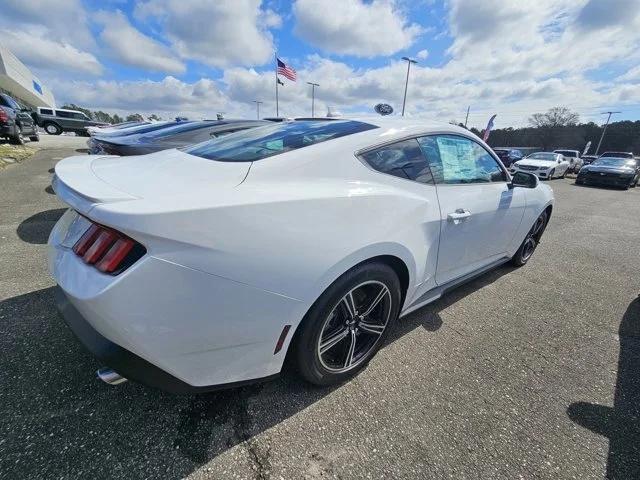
100	116
560	128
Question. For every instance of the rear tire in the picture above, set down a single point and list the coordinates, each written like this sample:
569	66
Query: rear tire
52	128
18	138
531	241
35	138
348	324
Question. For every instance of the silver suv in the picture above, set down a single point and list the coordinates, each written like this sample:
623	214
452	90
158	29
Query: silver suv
58	120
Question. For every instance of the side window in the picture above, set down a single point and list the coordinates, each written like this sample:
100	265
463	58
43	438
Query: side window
80	116
45	111
456	159
62	114
403	159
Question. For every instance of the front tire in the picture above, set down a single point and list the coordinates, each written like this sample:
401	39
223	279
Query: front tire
531	241
551	174
35	137
348	324
52	128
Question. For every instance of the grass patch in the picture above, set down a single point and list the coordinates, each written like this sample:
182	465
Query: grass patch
14	153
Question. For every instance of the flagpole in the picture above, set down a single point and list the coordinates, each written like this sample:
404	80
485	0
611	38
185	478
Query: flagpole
277	107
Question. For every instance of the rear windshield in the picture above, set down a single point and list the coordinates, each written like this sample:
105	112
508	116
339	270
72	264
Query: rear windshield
179	128
567	153
262	142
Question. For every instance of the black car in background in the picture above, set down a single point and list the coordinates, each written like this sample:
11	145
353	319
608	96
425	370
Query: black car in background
508	155
588	159
610	171
174	135
16	122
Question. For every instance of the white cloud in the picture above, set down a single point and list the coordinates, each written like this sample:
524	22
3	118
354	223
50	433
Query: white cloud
66	21
33	47
422	54
217	33
353	27
168	97
129	46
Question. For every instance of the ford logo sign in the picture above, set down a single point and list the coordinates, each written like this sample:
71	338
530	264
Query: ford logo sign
383	109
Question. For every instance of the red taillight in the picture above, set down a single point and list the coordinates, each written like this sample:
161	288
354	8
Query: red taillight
3	116
109	250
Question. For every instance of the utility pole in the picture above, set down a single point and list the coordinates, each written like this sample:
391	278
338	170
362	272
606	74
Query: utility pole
258	107
313	98
406	83
604	129
467	119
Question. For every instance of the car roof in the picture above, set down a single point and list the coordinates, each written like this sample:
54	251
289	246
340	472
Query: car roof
393	128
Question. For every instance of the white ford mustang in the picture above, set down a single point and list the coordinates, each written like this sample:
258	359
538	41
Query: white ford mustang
198	268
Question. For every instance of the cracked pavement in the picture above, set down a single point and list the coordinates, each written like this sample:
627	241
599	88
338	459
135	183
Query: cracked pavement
523	373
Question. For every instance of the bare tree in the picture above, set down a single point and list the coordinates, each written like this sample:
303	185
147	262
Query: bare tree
554	117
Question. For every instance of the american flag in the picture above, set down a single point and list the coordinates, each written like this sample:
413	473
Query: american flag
287	71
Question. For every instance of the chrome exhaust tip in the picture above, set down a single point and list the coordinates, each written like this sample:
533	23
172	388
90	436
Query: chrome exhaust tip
107	375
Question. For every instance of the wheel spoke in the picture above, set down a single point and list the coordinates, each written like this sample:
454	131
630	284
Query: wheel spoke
383	291
350	304
371	328
333	340
352	348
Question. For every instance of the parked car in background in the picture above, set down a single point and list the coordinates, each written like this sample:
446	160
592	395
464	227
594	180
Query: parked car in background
114	126
16	122
588	159
201	267
54	121
575	162
133	130
617	154
174	136
508	155
545	165
610	171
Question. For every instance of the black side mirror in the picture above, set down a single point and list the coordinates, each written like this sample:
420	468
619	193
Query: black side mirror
524	180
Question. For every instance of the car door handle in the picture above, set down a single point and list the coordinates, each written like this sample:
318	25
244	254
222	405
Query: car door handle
458	216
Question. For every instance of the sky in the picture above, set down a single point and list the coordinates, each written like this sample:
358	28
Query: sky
199	57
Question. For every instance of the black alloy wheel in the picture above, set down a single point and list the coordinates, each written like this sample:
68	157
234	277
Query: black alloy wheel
531	241
348	323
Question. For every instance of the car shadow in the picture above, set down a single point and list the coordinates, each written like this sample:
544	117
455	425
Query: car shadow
82	150
60	421
620	423
49	190
36	228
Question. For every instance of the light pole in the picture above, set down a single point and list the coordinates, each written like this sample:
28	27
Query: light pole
258	107
406	83
313	97
604	129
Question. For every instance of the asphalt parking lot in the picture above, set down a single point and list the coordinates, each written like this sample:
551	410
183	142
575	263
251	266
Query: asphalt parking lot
526	373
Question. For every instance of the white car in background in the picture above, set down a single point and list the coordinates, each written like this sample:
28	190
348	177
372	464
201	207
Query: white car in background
545	165
573	156
205	267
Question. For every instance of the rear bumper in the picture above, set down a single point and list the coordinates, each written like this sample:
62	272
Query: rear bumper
7	129
126	363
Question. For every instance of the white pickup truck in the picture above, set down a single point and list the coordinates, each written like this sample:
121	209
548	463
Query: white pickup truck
573	157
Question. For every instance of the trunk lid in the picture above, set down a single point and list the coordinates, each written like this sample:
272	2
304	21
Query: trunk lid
83	181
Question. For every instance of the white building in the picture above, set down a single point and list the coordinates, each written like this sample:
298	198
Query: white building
18	81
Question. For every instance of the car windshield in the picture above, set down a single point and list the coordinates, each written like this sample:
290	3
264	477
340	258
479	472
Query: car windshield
617	154
543	156
258	143
614	162
567	153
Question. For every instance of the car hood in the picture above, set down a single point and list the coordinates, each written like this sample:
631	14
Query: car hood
605	169
537	163
86	180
